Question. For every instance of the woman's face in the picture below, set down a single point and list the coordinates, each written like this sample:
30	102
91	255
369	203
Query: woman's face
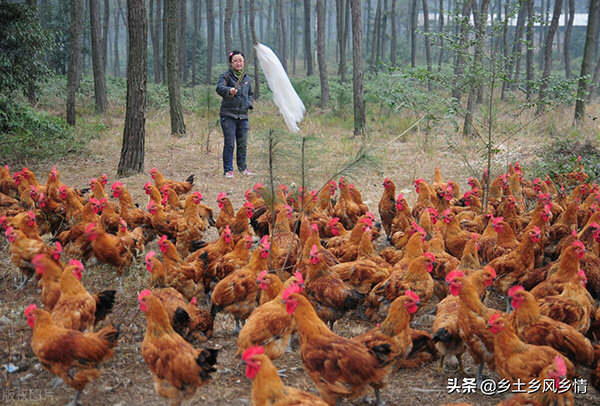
237	62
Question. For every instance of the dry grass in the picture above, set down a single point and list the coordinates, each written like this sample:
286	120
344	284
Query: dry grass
126	378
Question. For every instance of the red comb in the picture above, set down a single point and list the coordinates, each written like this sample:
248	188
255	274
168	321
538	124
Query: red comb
149	256
313	250
430	256
454	274
299	277
221	195
561	367
30	309
490	270
251	352
143	294
412	295
194	301
495	317
513	291
262	274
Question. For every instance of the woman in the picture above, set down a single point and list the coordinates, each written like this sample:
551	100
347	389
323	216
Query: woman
234	113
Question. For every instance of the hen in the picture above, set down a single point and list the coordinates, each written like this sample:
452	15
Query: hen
179	187
267	388
178	368
73	356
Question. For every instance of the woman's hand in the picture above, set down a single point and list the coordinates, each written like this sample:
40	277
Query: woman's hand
233	91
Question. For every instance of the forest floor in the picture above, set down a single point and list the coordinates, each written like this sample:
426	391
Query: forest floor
126	378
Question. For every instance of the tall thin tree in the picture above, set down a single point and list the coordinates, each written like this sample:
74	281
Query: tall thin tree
548	51
182	40
588	55
529	63
427	40
105	33
210	39
394	40
117	63
227	25
155	41
321	54
256	89
307	41
282	32
567	40
173	78
97	57
196	21
134	133
357	65
75	44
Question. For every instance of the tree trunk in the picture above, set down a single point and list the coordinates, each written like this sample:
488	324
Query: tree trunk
321	54
394	27
480	19
427	41
134	134
413	32
375	38
116	66
256	83
154	40
283	38
105	34
227	26
383	30
75	41
548	52
340	13
182	40
516	52
459	65
441	32
31	85
594	84
164	35
294	36
357	74
210	39
530	36
588	54
173	79
97	62
307	41
567	41
196	20
241	25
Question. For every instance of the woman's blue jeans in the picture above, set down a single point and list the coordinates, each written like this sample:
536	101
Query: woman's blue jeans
235	132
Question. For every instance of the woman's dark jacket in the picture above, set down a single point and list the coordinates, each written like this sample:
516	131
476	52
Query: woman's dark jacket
235	106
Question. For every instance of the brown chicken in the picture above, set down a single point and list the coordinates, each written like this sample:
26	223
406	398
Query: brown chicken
236	293
236	259
49	271
134	216
71	355
178	368
534	328
473	317
346	209
269	325
22	251
76	308
183	277
109	249
267	388
501	243
416	278
387	206
179	187
327	291
339	367
515	359
226	214
455	238
187	319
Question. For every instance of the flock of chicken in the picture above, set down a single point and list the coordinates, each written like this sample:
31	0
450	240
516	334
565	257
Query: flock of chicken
314	262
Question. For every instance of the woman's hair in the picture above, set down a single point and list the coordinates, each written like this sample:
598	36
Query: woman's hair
231	54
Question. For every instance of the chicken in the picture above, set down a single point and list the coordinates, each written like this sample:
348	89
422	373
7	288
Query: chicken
402	220
191	227
346	209
76	308
75	236
455	238
164	223
514	265
184	277
394	330
338	366
472	319
572	306
269	325
387	206
7	183
446	325
71	355
534	328
154	194
158	277
425	199
267	388
178	369
444	263
568	268
416	278
134	216
109	249
270	286
261	219
236	259
226	214
186	318
516	360
109	219
286	246
50	270
500	243
179	187
22	251
236	293
134	240
327	291
240	227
